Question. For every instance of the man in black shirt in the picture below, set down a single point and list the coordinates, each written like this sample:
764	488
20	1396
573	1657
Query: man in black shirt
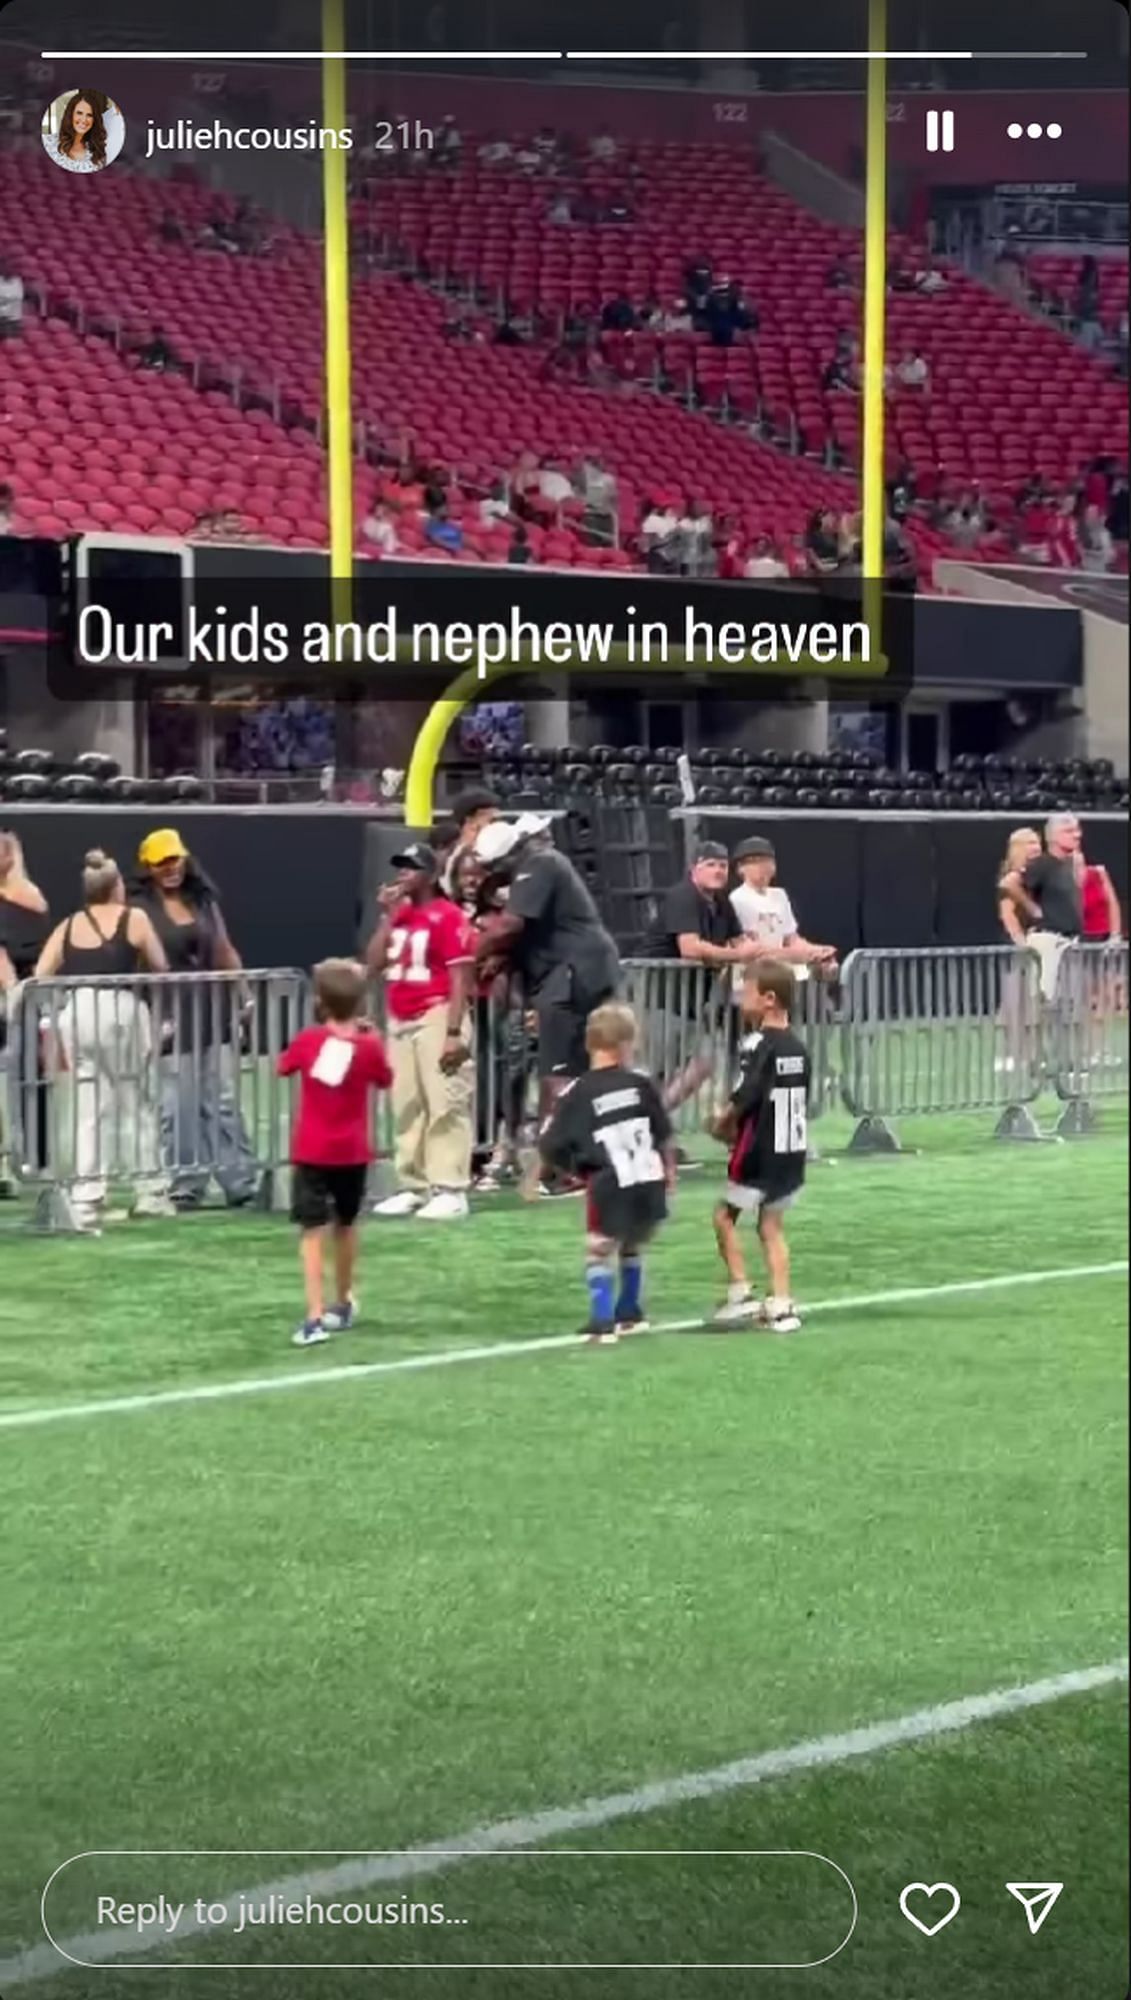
612	1130
554	938
1051	882
699	925
766	1126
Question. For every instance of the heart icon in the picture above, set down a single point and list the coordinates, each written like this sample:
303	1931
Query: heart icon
935	1889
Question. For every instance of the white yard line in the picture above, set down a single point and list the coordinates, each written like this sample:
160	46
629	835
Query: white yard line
362	1870
505	1350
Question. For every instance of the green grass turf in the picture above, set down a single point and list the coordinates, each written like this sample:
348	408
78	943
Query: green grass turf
381	1612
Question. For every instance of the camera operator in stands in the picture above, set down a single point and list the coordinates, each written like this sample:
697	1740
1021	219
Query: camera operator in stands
551	934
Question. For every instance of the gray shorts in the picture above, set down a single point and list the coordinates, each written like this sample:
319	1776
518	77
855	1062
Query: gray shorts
752	1200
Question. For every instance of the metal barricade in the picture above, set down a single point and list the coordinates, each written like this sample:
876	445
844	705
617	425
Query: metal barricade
691	1028
160	1083
1087	1031
933	1031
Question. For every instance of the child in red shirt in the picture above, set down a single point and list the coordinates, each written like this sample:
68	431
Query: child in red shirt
340	1062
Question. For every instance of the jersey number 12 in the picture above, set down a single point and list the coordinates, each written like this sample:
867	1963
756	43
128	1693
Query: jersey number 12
791	1120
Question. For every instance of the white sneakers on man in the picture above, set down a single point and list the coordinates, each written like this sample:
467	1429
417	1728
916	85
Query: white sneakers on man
446	1205
405	1203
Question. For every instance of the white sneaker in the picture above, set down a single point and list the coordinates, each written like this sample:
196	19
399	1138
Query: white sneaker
445	1206
781	1316
737	1312
405	1203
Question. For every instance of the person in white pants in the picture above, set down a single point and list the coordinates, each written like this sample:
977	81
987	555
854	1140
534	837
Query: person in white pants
105	1039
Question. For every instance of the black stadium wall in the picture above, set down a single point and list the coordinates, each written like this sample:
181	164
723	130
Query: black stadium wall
297	884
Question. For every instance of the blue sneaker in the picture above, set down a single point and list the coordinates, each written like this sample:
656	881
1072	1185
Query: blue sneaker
312	1333
340	1318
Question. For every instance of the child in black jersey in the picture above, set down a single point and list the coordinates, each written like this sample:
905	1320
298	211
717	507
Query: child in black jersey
766	1126
611	1128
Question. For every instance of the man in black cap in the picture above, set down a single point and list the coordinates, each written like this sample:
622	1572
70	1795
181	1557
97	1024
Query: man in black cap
698	925
764	914
423	945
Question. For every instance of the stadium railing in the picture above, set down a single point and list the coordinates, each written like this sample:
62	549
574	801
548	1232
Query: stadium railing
156	1083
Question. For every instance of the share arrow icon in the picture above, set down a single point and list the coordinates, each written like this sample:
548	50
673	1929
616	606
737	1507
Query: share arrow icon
1037	1899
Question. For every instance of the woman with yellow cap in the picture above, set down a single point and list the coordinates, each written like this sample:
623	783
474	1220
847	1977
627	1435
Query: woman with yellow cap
202	1131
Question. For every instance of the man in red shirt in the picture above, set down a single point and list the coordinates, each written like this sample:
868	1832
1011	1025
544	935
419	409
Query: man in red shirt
423	945
340	1062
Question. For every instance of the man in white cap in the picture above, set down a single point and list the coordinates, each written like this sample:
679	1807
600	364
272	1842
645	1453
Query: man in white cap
553	936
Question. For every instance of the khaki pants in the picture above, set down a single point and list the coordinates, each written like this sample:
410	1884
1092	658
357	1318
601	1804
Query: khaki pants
431	1111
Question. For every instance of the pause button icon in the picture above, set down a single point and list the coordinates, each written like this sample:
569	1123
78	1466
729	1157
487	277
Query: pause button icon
940	131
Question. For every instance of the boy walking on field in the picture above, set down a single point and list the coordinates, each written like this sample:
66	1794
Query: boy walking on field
341	1062
766	1126
611	1128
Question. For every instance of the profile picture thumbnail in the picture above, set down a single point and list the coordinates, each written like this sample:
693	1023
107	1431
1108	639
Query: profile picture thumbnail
83	131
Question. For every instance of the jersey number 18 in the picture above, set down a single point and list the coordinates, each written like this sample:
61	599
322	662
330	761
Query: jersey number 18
791	1120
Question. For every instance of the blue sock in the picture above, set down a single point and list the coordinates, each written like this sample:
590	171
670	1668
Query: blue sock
631	1285
599	1278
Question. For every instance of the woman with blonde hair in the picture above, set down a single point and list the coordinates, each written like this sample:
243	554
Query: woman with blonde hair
1017	915
106	1040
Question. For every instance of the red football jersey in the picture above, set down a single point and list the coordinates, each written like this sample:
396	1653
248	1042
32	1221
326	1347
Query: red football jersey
332	1126
425	941
1097	917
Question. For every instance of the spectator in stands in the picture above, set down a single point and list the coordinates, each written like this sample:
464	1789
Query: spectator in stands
901	492
7	509
507	334
929	280
218	233
765	914
520	552
899	556
156	353
1097	549
764	560
678	319
838	277
617	315
913	371
837	374
599	492
379	530
965	521
81	145
495	505
495	152
1062	545
11	302
603	146
695	541
107	1037
822	546
554	482
442	531
697	282
170	228
449	144
560	209
223	525
202	1130
650	315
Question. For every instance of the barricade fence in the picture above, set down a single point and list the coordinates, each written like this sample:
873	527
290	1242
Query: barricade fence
168	1086
162	1084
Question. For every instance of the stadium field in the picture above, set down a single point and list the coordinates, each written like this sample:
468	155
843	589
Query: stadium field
860	1593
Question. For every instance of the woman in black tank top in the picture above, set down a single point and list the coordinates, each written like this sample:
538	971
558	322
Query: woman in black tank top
102	1024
